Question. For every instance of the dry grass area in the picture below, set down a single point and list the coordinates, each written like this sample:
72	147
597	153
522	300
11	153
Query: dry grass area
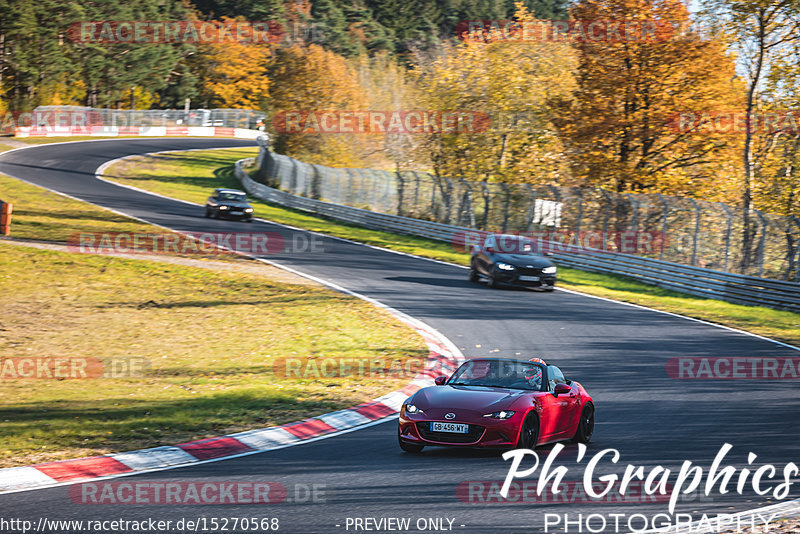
209	329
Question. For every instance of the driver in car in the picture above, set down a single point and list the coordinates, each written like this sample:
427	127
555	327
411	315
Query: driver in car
533	376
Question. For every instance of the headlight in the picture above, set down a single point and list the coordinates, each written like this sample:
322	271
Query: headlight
250	210
502	414
223	207
410	408
505	266
550	270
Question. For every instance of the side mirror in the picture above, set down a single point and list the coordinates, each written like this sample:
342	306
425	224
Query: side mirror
561	389
440	380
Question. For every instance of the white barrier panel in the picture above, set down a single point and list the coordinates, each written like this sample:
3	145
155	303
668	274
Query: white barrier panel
145	131
244	133
156	131
202	131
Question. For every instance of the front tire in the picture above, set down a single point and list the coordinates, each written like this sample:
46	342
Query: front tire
409	447
493	282
586	425
473	274
529	434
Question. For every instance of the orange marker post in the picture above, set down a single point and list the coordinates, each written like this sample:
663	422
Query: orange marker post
5	218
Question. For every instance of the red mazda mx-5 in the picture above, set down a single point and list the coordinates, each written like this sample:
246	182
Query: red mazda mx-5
497	403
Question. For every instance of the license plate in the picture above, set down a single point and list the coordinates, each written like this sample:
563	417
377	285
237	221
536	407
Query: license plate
529	278
458	428
240	212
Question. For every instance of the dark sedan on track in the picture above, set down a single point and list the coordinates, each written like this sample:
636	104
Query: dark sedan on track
497	403
229	204
511	260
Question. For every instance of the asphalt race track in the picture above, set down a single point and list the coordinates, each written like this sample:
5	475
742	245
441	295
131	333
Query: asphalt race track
617	352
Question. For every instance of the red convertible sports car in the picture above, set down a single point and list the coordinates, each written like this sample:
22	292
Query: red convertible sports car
497	403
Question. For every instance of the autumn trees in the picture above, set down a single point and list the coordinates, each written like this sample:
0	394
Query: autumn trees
512	81
620	127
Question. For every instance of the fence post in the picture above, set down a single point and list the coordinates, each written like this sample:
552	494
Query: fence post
316	182
796	221
634	202
487	199
387	196
470	204
605	218
696	231
416	192
349	195
362	194
447	199
578	192
465	212
729	213
504	186
760	249
531	207
434	210
293	176
663	225
401	188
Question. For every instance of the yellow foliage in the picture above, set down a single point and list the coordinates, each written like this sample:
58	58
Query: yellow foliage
235	74
618	128
310	78
513	81
62	93
142	99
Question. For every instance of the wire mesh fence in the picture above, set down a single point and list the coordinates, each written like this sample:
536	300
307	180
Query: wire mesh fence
682	230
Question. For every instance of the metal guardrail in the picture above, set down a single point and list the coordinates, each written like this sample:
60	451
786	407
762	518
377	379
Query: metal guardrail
689	231
683	278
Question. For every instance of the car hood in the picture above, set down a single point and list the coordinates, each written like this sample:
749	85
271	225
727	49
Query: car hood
476	399
523	260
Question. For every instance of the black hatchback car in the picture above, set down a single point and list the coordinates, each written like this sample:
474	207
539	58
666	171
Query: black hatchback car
230	204
511	260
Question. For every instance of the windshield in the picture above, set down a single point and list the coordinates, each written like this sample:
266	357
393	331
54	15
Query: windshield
233	197
499	373
511	244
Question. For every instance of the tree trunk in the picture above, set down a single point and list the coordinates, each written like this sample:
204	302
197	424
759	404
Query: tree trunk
747	153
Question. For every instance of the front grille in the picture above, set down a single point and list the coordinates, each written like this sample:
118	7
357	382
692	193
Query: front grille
474	434
528	271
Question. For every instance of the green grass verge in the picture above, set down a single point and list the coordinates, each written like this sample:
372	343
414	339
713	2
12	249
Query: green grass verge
192	175
211	339
43	215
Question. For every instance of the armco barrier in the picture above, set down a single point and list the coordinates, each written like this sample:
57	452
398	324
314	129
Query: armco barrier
692	280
